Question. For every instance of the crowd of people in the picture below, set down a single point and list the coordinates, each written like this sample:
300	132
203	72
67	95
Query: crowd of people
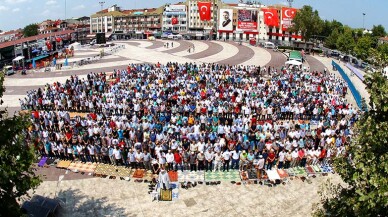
194	117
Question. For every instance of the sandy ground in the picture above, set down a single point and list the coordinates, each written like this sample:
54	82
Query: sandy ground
107	197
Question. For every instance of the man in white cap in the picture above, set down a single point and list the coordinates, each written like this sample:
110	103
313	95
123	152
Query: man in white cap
170	160
260	166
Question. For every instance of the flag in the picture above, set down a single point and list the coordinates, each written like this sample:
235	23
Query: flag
174	21
271	17
288	15
205	10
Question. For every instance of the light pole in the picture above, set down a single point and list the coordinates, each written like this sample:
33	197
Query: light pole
290	3
102	5
65	10
363	20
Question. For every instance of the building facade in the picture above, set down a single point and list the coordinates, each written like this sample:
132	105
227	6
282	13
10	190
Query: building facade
174	18
115	20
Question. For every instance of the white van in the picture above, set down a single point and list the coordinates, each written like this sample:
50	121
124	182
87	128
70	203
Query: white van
8	70
269	45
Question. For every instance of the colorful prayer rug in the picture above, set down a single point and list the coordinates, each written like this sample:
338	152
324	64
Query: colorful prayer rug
165	195
232	175
191	176
173	176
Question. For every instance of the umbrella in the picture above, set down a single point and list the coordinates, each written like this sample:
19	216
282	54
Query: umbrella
66	62
33	63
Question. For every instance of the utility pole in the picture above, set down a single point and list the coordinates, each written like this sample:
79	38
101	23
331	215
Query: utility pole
290	3
363	20
102	5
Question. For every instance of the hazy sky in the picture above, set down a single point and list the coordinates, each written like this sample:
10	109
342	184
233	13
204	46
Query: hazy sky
19	13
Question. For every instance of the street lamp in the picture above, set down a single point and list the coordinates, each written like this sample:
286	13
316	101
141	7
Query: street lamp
290	3
102	5
363	20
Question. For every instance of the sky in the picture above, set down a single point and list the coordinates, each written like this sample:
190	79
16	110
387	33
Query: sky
19	13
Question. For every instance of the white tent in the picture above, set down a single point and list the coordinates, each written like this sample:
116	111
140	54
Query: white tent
293	62
18	58
76	46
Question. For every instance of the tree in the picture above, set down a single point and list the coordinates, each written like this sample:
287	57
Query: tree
365	169
16	158
362	47
378	31
379	56
331	40
307	22
30	30
345	41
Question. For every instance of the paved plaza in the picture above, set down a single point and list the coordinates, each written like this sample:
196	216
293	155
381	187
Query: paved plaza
142	51
110	197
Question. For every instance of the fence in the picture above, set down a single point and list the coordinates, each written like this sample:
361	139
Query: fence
355	71
351	86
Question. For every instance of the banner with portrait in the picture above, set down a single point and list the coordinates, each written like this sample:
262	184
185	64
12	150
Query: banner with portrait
247	19
226	20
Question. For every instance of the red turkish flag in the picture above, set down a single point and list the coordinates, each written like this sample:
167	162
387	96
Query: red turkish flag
205	10
271	17
288	15
174	21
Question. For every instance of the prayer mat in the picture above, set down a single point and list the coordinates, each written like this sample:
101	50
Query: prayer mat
50	161
173	176
232	175
252	174
316	169
310	170
188	176
300	171
174	186
139	173
148	175
326	168
42	162
282	174
63	164
165	195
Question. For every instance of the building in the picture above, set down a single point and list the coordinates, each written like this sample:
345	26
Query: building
383	40
198	28
174	18
140	22
247	21
11	35
278	34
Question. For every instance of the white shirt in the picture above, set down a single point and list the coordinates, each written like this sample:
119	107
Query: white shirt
117	154
170	157
281	156
226	155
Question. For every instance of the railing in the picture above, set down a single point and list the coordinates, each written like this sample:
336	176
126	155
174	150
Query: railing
351	86
355	71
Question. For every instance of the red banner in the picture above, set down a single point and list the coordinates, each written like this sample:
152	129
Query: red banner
271	17
288	15
247	20
174	21
204	9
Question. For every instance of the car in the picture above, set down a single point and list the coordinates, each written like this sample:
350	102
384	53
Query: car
8	70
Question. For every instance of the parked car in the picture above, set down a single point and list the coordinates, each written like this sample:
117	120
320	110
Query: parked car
8	70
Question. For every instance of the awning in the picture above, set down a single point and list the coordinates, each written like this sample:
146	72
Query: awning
18	58
37	58
293	62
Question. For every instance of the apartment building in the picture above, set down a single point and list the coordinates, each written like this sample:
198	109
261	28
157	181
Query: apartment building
135	21
174	18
